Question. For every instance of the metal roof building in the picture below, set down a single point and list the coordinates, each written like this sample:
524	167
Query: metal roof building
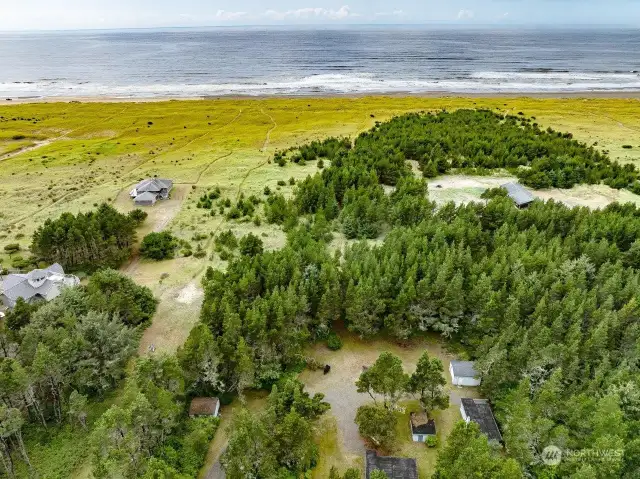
394	467
519	194
479	411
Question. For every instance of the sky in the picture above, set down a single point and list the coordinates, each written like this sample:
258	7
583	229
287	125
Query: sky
20	15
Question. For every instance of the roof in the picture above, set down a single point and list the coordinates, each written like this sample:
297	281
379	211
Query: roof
479	411
518	193
146	196
43	283
394	467
154	185
205	406
464	369
421	424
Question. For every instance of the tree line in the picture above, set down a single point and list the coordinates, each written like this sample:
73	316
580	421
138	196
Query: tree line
88	241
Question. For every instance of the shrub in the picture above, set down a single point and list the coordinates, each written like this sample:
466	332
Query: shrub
267	191
20	263
282	183
12	248
334	343
228	239
158	246
627	147
251	245
18	137
491	193
225	255
292	181
200	252
138	216
431	441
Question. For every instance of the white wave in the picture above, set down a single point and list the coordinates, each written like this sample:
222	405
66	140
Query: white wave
481	82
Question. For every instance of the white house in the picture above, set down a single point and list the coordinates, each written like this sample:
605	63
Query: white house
463	373
421	427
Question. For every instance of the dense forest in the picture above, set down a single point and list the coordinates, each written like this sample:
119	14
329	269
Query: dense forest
545	299
88	241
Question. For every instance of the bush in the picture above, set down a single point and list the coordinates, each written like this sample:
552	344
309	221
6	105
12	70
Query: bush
431	441
491	193
282	183
158	246
627	147
267	191
138	216
228	239
334	343
12	248
251	245
200	252
292	181
18	137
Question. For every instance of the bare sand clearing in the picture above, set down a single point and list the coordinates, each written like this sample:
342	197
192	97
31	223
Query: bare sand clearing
464	189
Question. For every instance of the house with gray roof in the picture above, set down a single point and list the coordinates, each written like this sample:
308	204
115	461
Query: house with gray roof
480	412
37	285
463	373
148	191
394	467
519	194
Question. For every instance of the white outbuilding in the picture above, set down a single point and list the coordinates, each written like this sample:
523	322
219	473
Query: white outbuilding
463	373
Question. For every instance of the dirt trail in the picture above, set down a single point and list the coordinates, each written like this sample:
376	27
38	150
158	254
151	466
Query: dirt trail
26	149
265	145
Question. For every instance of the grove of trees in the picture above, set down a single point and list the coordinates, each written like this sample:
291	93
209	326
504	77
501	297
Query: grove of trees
88	241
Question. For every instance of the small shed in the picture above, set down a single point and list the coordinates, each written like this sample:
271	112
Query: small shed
394	467
146	199
421	426
206	406
480	412
519	194
463	373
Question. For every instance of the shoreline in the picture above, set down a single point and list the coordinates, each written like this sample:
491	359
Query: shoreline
558	95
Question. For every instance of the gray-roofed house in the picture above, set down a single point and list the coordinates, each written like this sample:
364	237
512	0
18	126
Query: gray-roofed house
519	194
148	191
394	467
421	426
463	373
479	411
37	285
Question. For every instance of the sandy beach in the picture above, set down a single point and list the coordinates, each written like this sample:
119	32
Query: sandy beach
631	95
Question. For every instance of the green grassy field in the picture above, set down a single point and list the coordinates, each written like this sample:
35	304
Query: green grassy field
57	157
69	156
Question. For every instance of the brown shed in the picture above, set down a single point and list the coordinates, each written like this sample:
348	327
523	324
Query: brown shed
204	407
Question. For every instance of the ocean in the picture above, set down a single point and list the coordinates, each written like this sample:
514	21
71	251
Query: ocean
319	61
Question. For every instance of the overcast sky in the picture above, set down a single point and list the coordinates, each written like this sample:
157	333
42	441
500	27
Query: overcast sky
81	14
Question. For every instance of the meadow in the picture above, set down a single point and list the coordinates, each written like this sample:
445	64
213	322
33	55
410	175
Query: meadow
57	157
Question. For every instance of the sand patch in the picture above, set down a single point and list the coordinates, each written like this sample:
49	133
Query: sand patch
190	294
